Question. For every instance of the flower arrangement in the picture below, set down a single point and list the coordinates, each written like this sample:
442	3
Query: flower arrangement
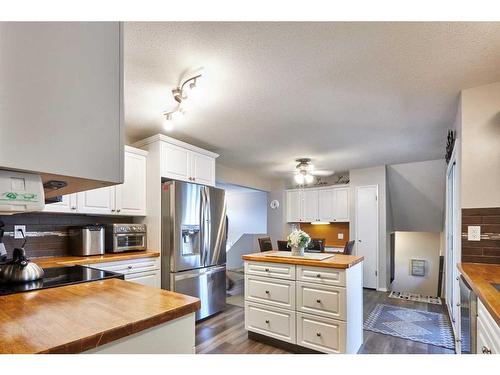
298	239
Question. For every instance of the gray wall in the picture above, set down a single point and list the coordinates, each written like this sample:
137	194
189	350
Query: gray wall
417	193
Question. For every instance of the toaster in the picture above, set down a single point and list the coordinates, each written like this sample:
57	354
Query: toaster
86	240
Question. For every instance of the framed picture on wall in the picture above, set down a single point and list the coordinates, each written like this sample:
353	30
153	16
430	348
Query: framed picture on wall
417	267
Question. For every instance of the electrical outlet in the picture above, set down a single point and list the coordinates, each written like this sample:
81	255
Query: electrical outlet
19	231
474	233
340	236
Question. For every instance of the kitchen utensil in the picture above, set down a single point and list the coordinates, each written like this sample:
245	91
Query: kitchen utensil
20	269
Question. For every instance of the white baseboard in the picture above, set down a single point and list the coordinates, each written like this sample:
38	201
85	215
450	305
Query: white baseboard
382	289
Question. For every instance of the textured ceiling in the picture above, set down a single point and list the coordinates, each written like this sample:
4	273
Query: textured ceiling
348	95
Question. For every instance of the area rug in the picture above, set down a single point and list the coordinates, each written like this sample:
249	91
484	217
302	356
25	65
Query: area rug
415	325
415	297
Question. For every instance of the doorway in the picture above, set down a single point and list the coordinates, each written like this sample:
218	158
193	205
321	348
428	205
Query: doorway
367	232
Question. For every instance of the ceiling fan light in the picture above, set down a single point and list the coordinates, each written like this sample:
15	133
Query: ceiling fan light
309	178
299	178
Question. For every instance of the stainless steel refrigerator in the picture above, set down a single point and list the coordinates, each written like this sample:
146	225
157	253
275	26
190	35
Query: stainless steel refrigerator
194	243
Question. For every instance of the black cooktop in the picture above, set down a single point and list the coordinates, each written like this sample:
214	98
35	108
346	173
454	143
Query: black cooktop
60	276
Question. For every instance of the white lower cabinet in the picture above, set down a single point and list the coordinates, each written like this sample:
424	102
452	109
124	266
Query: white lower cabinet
145	271
320	308
270	321
488	332
321	334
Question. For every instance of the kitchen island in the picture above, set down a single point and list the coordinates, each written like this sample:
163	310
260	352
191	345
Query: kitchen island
305	304
108	316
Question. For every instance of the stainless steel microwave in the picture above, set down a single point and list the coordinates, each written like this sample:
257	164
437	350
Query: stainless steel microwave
125	237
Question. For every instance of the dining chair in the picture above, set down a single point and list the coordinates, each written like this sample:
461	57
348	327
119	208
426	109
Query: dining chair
348	247
265	244
283	245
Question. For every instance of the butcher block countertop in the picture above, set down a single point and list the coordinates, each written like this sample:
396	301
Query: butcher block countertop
480	276
336	261
76	318
93	259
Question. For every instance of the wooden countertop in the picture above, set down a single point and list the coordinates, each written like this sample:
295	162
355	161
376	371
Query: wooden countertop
480	276
336	261
76	260
76	318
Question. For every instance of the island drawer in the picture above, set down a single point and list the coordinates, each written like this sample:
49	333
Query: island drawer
324	300
321	275
270	321
279	270
275	292
321	334
129	266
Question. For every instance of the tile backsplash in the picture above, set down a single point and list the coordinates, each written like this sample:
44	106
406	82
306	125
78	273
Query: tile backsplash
47	233
487	250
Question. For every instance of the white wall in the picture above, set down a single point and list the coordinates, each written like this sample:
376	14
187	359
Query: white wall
247	214
373	176
417	245
417	192
480	141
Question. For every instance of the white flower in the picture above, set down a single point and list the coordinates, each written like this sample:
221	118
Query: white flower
298	238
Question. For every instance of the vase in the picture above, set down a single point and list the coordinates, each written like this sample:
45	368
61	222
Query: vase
298	251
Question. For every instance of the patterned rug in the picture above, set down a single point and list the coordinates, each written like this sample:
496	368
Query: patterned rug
415	297
415	325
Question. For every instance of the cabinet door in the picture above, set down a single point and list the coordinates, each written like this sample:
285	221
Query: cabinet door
68	204
145	278
131	195
97	201
310	206
326	199
175	162
341	204
202	169
293	206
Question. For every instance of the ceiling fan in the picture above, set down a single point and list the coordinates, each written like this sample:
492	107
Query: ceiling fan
305	171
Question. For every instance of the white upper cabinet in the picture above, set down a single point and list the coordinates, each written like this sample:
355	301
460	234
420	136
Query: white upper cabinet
128	199
293	206
97	201
318	204
310	205
341	204
179	160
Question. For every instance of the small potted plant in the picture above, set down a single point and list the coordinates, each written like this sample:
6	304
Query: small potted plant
298	241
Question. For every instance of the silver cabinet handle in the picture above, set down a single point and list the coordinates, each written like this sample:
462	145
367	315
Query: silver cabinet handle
318	334
318	275
318	300
118	210
129	267
267	291
267	270
267	321
486	350
112	210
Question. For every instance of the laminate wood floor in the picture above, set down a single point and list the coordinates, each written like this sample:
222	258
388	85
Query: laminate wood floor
225	333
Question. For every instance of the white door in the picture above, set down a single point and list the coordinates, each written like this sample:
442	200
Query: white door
367	232
202	169
326	204
341	204
293	206
68	204
310	205
131	195
98	201
175	162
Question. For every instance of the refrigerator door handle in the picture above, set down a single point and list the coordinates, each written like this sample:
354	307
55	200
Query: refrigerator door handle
207	225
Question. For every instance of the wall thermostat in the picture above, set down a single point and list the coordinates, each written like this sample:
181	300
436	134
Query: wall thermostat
274	204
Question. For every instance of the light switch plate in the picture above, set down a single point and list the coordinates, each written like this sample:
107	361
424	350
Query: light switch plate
474	233
19	231
340	236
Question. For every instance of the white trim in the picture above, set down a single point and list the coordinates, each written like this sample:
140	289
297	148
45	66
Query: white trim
176	142
321	187
378	225
382	289
134	150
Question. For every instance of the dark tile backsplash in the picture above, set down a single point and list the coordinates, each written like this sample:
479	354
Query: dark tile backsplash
55	241
488	249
